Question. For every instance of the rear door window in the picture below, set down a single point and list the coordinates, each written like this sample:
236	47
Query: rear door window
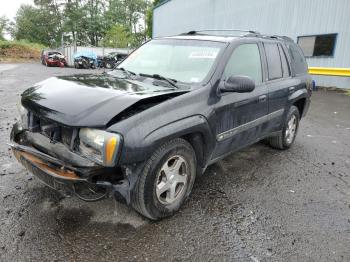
273	61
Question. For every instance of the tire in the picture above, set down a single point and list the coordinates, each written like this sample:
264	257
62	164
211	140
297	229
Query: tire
286	138
178	158
109	65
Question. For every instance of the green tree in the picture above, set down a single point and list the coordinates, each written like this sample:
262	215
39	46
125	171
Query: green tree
81	21
4	26
130	14
149	18
37	26
118	36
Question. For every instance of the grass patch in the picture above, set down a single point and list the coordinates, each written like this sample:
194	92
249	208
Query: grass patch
19	51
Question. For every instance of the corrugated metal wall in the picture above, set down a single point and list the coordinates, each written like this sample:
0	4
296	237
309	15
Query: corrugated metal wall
283	17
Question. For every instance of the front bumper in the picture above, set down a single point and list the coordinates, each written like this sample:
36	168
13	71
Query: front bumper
55	62
62	173
49	170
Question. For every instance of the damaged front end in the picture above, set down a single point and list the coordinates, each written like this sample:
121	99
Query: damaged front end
80	161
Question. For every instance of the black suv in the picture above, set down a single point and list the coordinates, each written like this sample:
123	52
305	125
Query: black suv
144	131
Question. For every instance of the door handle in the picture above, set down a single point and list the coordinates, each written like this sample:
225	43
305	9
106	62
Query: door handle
262	98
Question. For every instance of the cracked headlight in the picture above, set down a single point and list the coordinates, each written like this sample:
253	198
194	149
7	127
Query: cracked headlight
99	146
23	113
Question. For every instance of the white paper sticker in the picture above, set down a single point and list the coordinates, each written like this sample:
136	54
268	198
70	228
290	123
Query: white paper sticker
203	54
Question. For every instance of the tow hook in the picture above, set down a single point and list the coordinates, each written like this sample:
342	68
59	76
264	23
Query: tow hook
122	189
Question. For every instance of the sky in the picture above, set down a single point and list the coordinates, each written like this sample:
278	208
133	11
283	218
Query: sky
9	7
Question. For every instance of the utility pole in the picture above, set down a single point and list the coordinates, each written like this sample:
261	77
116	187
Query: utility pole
62	44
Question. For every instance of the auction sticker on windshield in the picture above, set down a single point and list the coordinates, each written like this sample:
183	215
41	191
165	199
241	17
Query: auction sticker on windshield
205	54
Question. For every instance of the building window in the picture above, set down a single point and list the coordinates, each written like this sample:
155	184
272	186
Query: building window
317	45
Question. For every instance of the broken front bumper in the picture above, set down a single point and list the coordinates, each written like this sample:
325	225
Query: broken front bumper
66	171
47	169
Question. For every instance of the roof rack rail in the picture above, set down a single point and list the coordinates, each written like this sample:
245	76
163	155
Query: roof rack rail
280	37
193	32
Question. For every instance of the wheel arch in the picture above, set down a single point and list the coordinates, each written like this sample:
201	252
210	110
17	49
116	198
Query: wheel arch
300	99
197	141
194	129
300	104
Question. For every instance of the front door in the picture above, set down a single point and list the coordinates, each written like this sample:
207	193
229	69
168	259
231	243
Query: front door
241	116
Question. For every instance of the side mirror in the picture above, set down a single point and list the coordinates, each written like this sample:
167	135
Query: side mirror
239	84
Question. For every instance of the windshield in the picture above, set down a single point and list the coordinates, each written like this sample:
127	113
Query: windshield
187	61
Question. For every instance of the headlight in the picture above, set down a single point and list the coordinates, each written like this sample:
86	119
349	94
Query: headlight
23	113
99	146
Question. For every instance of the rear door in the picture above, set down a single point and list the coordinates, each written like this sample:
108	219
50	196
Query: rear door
240	116
279	83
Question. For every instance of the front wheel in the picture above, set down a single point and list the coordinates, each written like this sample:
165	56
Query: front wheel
289	131
166	180
109	65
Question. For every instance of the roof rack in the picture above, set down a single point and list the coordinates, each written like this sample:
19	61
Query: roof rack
248	33
279	37
193	32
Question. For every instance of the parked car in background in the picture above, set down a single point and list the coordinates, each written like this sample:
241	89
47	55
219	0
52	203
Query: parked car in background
53	58
144	131
111	60
85	60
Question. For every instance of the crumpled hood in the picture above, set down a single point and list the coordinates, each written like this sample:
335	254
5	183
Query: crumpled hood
87	100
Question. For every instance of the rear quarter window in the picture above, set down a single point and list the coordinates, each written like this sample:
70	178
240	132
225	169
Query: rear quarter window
298	61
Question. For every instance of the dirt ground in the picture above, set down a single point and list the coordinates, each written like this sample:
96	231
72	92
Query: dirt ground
259	204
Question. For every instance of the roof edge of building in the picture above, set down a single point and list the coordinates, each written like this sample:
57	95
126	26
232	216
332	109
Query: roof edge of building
161	3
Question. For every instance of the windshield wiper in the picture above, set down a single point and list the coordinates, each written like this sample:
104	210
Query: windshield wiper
170	81
128	73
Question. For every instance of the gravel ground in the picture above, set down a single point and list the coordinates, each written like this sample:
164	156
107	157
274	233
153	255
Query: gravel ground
256	205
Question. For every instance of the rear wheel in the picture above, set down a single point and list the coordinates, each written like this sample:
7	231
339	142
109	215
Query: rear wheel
289	131
166	180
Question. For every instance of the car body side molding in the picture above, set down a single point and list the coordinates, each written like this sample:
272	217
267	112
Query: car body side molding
234	131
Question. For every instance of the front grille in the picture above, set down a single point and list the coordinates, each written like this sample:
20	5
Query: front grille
53	130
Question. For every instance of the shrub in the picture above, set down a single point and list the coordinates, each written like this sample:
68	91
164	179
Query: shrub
19	49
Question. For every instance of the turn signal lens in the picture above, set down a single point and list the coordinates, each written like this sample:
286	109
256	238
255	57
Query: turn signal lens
110	149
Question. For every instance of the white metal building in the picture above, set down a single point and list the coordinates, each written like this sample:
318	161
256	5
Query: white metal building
321	27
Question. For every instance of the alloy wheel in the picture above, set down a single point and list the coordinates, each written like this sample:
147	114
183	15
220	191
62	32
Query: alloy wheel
291	129
172	180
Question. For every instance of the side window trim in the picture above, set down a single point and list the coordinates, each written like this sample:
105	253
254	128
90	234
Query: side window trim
289	59
283	54
265	72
